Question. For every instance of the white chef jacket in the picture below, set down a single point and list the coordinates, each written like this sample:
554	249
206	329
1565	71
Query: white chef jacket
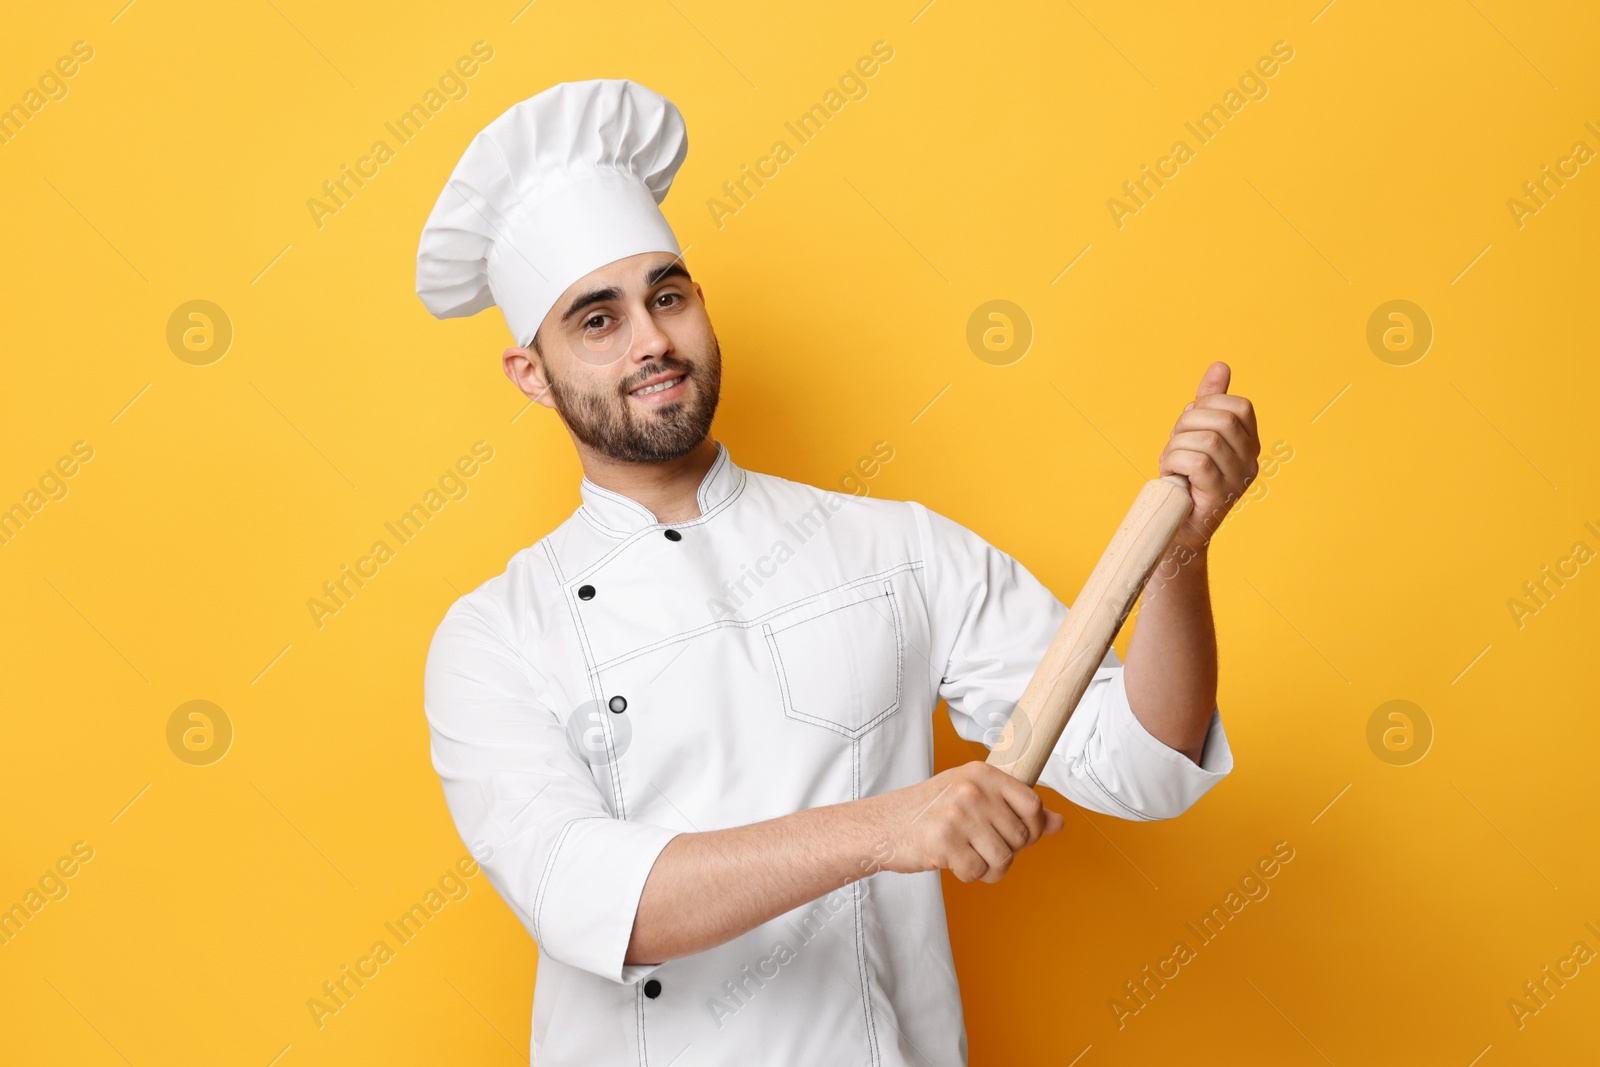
626	680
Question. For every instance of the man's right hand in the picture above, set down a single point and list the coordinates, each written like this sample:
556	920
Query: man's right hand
971	820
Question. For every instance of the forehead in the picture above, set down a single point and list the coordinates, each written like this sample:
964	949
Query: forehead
625	274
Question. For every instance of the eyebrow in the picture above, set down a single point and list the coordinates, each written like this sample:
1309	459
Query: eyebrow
675	269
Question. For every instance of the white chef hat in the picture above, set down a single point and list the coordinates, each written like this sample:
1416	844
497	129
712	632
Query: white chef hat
559	185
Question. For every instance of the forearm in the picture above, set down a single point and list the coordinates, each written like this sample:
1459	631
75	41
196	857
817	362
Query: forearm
1171	666
708	888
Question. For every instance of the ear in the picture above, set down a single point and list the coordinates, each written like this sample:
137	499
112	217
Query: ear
699	292
526	369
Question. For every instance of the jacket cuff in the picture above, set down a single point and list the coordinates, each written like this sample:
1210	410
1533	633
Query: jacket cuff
590	894
1143	777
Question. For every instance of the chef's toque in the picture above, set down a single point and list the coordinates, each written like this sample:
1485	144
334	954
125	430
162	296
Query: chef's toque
559	185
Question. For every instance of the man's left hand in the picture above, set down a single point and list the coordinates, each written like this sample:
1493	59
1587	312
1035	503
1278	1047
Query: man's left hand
1214	445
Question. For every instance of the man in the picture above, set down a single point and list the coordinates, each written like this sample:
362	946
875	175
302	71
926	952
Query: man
688	732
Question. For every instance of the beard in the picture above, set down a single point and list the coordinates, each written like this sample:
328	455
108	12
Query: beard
608	423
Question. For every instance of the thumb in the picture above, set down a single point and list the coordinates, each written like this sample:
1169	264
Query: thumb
1215	380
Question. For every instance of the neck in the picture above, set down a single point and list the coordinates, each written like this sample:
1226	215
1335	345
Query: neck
668	489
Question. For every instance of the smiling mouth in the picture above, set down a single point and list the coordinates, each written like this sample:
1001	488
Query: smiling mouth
659	387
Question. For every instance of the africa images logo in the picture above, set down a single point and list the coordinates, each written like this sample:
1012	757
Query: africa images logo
1252	85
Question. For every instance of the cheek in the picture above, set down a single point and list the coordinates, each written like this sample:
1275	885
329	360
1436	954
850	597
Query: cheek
579	374
692	332
588	386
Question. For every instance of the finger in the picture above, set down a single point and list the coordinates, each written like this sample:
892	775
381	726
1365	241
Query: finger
1206	478
1239	405
1215	380
995	852
968	865
1201	470
1028	806
1229	431
1223	439
999	818
1053	821
1012	827
1231	467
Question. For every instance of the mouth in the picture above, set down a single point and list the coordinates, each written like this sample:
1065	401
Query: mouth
661	389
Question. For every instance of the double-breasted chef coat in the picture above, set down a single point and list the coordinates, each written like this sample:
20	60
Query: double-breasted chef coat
625	681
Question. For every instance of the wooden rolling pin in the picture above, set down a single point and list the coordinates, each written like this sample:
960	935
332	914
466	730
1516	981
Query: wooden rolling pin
1078	647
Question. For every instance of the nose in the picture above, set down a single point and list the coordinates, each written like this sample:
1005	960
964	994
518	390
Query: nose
649	340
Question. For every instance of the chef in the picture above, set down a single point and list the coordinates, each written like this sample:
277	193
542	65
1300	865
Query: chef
689	732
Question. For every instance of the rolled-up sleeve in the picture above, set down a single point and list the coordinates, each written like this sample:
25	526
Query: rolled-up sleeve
527	805
991	622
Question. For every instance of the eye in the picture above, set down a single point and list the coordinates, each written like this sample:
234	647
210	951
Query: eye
595	322
675	297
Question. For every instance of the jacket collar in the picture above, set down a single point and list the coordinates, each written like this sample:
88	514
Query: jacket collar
619	514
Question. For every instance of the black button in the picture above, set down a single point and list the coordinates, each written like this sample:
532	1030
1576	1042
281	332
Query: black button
652	989
585	592
619	704
674	535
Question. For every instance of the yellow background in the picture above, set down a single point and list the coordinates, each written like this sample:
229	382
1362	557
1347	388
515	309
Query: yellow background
1377	567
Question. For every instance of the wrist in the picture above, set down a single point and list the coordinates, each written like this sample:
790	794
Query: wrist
869	843
1186	555
1182	567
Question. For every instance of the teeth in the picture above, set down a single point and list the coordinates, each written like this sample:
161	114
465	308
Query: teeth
658	387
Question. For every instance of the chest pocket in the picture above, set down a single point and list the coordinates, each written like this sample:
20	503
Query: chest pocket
840	659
